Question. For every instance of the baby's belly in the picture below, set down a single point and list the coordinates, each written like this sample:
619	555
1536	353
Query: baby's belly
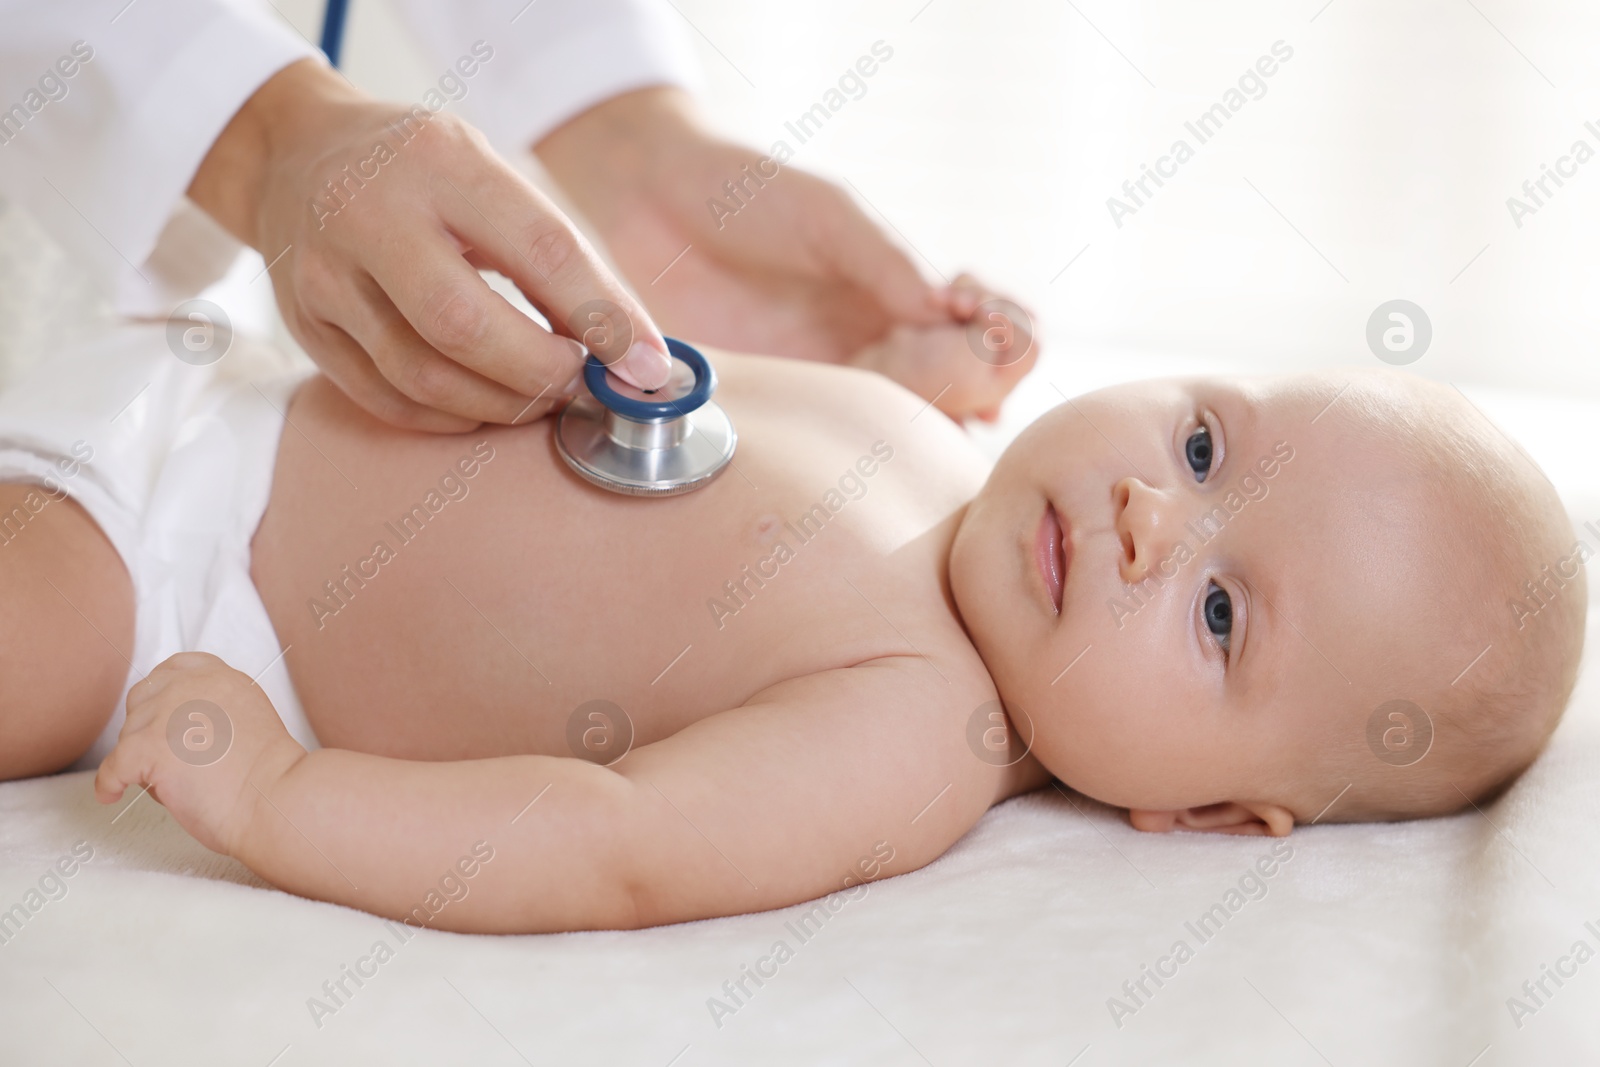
467	596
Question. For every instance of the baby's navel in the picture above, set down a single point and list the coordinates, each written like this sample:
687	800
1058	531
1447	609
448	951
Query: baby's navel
766	527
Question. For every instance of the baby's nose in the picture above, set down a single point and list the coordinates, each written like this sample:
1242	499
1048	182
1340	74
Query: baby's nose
1147	524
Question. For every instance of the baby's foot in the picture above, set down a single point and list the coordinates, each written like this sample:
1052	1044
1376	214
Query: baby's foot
968	365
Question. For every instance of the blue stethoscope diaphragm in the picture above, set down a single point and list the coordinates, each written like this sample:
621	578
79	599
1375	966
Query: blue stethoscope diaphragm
661	442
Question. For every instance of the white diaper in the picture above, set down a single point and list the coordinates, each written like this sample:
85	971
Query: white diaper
178	471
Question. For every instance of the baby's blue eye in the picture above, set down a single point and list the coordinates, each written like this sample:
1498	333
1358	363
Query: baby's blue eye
1197	450
1219	615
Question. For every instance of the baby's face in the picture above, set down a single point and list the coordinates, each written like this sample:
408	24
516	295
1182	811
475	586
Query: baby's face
1184	590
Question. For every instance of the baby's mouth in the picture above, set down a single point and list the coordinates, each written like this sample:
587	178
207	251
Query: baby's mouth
1052	554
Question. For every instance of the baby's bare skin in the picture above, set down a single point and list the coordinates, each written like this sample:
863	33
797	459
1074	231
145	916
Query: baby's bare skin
775	747
537	592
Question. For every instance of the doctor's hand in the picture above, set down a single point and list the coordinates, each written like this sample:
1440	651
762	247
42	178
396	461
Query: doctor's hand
375	219
792	267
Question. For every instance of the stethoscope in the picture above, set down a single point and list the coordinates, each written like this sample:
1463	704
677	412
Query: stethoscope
660	442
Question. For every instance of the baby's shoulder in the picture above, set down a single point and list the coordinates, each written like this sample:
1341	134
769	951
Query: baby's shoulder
924	712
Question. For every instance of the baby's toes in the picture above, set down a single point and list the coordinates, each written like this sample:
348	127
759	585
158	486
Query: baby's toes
965	294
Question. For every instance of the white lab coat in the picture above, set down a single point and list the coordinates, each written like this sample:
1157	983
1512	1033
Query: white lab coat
108	107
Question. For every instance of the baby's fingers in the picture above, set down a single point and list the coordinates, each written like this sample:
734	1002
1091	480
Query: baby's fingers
131	763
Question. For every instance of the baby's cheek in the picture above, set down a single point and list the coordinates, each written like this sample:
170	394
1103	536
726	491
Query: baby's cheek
1120	717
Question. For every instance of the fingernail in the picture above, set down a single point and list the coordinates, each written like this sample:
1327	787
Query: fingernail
645	366
572	387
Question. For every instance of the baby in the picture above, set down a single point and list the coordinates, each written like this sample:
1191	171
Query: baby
1222	605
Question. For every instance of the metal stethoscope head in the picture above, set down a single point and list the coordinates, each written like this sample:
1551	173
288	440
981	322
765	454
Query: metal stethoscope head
661	442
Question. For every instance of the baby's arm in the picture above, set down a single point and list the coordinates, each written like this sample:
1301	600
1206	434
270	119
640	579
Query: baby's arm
803	791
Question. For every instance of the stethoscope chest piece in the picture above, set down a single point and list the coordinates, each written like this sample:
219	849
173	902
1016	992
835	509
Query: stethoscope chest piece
662	443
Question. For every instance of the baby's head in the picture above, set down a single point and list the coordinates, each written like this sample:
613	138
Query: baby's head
1272	590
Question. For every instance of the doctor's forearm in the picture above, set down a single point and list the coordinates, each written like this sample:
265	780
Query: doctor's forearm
613	150
228	185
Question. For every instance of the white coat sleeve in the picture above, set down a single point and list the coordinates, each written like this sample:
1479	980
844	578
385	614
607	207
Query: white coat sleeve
551	59
108	108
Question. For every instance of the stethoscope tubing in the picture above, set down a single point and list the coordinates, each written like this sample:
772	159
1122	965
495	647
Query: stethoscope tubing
333	21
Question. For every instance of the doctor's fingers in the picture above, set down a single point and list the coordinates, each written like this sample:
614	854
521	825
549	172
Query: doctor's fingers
425	276
349	367
514	228
420	373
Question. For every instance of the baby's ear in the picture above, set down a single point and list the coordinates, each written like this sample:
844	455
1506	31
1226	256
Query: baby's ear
1224	818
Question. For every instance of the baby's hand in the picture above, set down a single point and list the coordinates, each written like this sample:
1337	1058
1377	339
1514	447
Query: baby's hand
206	742
968	365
